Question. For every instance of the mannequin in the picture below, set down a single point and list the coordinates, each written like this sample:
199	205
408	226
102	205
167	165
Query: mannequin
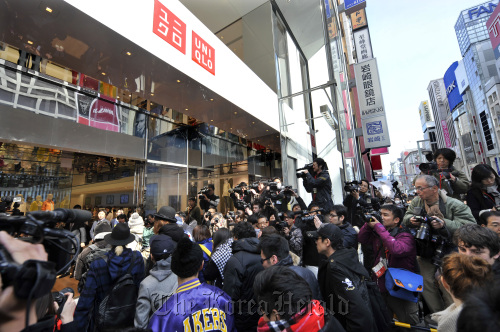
48	205
36	205
22	204
64	203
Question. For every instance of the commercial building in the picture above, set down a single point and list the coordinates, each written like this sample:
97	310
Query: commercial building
143	105
479	64
428	126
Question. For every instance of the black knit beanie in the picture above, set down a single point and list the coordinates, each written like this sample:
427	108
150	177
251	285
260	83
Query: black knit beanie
187	258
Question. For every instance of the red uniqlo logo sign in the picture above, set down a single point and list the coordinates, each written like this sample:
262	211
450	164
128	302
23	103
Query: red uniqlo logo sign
203	54
169	27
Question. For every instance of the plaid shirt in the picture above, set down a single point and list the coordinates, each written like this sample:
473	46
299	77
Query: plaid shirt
99	281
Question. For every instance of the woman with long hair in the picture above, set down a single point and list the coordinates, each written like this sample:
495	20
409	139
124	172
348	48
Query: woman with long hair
484	193
222	251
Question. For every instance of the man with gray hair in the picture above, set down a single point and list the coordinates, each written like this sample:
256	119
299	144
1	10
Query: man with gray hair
448	215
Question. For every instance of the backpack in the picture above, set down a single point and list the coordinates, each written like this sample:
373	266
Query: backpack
95	253
117	309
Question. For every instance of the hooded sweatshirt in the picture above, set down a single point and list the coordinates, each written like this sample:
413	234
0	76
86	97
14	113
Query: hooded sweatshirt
155	290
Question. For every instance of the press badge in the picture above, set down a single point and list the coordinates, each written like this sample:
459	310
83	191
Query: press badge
380	268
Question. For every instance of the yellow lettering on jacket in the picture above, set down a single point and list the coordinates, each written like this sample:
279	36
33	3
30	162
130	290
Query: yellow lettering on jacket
223	326
187	326
206	319
197	324
216	319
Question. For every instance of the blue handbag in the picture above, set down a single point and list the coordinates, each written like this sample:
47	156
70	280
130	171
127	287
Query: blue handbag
404	284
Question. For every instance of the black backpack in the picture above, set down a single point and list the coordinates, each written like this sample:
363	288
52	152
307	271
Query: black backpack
95	253
117	309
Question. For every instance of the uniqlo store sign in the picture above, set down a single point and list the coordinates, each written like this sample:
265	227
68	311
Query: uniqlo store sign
174	31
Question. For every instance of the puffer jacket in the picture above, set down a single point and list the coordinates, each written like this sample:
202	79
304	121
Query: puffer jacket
455	212
323	185
239	275
397	245
340	279
155	290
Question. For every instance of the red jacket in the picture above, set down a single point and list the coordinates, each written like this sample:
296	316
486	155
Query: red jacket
399	247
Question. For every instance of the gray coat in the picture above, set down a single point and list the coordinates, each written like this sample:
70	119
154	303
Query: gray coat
155	290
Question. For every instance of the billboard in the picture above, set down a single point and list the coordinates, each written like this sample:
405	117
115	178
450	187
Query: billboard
450	83
461	76
493	25
363	45
371	105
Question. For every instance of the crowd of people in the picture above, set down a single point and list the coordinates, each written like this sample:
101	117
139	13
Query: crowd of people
277	264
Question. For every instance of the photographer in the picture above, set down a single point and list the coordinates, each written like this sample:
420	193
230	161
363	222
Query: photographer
308	223
208	199
358	196
319	184
337	216
448	214
293	234
395	247
453	181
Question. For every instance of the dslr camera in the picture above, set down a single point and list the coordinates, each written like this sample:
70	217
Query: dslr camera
307	217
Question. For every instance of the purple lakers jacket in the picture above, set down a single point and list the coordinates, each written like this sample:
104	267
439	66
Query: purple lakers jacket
195	307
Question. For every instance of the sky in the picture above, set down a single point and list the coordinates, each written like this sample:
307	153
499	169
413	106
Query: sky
414	42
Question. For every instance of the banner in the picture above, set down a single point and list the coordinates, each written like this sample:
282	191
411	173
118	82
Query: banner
363	45
98	113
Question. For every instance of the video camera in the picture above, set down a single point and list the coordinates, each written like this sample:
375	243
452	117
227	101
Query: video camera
351	186
308	167
242	205
432	168
60	245
203	191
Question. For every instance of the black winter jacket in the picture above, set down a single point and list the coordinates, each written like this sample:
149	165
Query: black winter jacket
239	275
320	186
340	280
350	236
306	274
477	200
173	230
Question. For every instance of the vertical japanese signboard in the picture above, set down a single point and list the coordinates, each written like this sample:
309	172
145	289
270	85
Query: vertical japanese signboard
363	45
371	105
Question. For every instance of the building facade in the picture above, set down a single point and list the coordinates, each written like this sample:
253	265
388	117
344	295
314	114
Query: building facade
479	65
145	113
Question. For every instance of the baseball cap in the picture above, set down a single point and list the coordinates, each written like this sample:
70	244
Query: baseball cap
161	244
327	231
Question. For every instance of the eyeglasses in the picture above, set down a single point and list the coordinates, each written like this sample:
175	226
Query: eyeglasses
332	215
263	260
420	188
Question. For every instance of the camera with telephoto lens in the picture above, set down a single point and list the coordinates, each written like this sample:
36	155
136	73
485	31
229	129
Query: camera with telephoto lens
351	186
242	205
430	244
287	191
230	215
308	216
308	167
